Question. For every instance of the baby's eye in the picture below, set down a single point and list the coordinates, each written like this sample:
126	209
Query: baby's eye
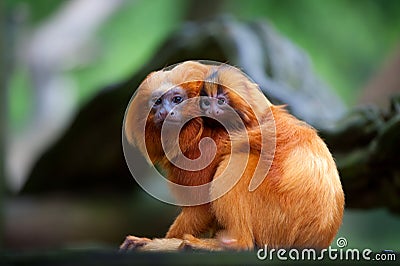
221	101
177	99
158	101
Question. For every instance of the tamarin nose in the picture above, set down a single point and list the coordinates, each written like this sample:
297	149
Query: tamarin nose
212	112
162	114
215	110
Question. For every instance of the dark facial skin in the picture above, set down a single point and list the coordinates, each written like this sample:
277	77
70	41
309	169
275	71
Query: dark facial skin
214	102
163	103
216	105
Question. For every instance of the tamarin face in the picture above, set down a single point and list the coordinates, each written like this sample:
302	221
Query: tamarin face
163	103
218	108
217	102
226	94
214	100
173	87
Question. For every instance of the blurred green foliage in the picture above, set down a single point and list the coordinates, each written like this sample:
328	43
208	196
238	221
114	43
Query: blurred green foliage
347	40
20	98
38	10
128	40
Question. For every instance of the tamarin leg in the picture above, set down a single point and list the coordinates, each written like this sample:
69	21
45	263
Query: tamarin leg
192	220
234	217
237	233
233	210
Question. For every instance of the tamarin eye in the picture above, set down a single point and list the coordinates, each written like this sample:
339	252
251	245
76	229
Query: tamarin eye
177	99
221	101
206	102
158	101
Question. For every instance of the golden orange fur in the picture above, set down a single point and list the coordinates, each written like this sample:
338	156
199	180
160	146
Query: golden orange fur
300	202
241	94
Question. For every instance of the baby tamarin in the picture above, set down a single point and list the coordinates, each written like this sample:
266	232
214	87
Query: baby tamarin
300	201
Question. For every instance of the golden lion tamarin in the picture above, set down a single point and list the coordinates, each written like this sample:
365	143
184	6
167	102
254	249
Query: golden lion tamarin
299	202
